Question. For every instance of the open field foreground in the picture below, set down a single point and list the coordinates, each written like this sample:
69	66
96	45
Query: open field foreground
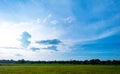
59	69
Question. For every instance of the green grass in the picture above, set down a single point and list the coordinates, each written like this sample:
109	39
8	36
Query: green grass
59	69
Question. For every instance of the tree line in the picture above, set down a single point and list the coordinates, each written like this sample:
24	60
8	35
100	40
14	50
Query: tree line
92	61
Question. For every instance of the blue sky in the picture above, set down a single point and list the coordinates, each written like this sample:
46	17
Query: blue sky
59	30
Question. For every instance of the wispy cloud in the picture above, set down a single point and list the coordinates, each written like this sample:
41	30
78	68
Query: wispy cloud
10	47
18	55
34	48
69	19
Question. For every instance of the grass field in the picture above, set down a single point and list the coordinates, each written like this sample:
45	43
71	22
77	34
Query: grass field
59	69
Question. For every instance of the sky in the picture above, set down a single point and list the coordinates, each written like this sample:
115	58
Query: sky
60	30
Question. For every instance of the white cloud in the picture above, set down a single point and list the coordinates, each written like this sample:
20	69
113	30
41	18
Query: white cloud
69	19
10	34
54	22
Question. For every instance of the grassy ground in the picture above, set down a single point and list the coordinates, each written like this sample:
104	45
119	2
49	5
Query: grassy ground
59	69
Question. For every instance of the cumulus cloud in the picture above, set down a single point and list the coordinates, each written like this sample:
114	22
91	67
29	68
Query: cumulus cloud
25	39
49	42
52	44
53	47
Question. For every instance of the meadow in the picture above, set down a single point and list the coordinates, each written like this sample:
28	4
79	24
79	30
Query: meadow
59	69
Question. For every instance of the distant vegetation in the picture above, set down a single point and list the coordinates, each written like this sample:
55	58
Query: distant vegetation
93	66
92	61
